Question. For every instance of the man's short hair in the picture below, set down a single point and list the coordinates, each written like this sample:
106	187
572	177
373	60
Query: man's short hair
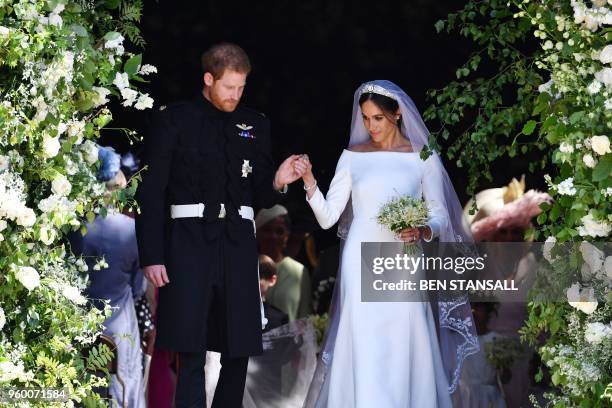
224	56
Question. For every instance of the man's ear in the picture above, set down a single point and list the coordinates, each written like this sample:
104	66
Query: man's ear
209	79
273	280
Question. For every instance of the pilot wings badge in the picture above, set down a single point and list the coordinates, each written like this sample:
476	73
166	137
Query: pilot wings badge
245	131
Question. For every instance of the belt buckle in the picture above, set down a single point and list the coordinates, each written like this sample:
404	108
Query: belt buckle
222	211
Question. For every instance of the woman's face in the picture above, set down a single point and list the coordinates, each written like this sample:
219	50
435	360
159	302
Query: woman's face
377	124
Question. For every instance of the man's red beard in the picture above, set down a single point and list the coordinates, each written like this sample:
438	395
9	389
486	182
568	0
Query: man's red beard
226	105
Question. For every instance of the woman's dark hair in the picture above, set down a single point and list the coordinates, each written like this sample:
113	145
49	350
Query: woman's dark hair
388	105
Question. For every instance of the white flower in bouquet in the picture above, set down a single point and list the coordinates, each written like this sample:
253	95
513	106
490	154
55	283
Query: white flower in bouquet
4	31
121	80
582	299
90	152
592	256
3	225
566	187
2	318
144	102
599	3
592	227
600	145
61	186
28	277
51	146
596	332
100	96
47	235
589	161
54	17
129	95
73	294
147	69
26	217
608	104
402	213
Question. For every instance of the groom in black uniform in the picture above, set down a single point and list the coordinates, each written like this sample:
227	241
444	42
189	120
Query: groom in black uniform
209	165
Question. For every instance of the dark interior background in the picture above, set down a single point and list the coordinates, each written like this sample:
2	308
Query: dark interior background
308	56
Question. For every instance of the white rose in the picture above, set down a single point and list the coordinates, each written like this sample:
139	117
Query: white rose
71	293
90	152
583	300
605	76
596	332
121	80
605	56
579	13
51	146
591	22
26	217
47	235
147	69
566	187
4	31
594	87
61	186
600	145
4	163
100	96
144	102
593	228
589	161
2	318
129	95
566	148
28	277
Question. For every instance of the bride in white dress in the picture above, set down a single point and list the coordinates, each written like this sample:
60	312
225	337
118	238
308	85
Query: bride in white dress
386	354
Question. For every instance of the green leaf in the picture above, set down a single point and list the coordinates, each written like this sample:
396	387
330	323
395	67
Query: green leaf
131	66
79	30
529	127
91	217
603	169
112	4
111	35
439	26
575	117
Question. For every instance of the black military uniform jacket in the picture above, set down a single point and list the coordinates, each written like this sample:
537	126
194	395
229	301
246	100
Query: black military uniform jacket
198	154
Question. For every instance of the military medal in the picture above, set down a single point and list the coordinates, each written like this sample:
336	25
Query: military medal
245	131
246	168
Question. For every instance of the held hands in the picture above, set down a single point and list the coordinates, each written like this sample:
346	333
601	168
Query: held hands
293	168
412	235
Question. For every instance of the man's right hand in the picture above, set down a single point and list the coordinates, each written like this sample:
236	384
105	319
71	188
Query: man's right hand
156	274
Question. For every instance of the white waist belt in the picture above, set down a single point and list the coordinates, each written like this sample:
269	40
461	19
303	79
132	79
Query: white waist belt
197	211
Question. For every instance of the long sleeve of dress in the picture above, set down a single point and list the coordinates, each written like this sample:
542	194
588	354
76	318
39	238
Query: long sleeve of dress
433	193
328	209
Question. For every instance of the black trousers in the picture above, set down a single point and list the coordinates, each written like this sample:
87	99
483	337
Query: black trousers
190	392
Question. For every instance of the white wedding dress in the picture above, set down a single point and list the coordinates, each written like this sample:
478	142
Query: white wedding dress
386	354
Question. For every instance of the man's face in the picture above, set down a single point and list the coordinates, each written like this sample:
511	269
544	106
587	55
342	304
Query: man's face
225	93
272	236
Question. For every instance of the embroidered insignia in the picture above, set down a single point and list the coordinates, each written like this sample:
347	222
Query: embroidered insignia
245	131
246	168
222	212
